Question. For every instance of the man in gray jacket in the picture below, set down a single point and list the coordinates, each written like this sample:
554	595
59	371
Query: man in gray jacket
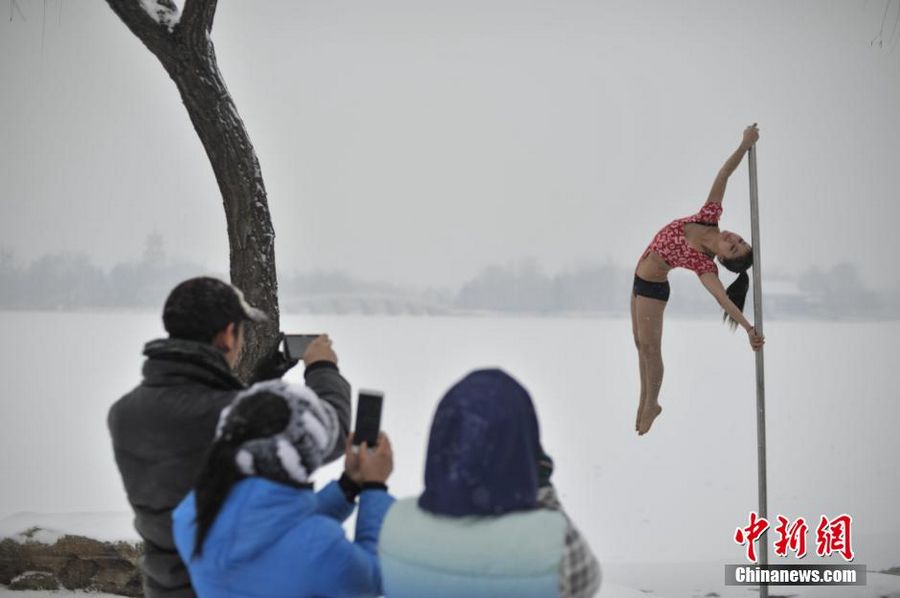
162	429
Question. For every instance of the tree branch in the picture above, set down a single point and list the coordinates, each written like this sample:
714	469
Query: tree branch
197	19
153	34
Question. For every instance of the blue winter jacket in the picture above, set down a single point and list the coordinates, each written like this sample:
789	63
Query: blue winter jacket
278	541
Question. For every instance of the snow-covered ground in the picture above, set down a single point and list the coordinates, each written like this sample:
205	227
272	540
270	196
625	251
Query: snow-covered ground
674	496
109	526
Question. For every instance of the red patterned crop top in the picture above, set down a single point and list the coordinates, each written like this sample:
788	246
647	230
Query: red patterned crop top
671	245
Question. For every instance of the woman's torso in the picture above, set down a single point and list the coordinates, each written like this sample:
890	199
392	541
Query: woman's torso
670	248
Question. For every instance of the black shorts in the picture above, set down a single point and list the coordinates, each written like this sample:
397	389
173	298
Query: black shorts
653	290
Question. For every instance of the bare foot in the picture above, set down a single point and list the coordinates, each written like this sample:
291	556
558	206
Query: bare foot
649	413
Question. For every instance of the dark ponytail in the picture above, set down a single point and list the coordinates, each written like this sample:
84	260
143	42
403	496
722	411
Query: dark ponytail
737	290
257	416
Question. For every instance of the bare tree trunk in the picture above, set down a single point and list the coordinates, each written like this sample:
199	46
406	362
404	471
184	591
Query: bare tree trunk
182	44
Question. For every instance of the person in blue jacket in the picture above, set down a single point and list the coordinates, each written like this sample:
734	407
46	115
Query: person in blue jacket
253	526
489	524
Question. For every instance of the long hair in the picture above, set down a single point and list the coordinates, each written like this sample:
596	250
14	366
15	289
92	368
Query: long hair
737	290
258	416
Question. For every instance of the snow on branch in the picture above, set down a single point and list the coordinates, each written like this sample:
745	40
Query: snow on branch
166	30
142	17
164	12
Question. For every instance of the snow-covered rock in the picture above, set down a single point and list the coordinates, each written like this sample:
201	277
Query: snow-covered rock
75	551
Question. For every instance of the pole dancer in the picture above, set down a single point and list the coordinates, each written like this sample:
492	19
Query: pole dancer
693	243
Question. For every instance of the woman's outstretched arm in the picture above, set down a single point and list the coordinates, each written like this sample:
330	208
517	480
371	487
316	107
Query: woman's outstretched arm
717	290
751	134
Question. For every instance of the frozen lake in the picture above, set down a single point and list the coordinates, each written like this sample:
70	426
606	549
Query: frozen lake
675	495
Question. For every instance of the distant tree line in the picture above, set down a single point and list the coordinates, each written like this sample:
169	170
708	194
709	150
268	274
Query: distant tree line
523	287
73	281
836	292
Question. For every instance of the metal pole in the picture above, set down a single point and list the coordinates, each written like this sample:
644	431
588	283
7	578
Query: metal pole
760	375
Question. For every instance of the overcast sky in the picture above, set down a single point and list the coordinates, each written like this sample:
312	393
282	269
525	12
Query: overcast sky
417	141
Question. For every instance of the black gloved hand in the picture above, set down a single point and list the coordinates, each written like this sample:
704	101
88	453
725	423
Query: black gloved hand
545	469
275	364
